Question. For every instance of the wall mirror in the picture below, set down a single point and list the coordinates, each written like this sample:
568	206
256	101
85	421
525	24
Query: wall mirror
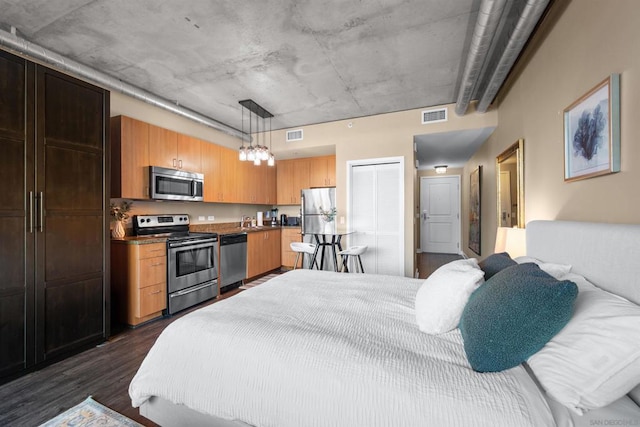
510	179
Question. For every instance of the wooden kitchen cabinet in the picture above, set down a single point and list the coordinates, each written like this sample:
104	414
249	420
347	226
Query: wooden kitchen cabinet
220	169
288	257
292	176
172	150
263	251
129	158
138	281
322	171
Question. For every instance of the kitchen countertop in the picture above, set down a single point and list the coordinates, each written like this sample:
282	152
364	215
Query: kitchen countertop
139	240
221	229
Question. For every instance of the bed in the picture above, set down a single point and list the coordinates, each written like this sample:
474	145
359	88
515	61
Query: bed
315	348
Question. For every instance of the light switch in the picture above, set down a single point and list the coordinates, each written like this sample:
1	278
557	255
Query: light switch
211	218
200	218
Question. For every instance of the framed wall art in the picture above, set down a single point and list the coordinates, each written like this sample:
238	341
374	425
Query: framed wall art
475	182
592	132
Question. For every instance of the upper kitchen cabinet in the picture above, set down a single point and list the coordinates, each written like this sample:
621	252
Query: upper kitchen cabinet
292	176
172	150
257	184
322	171
54	291
189	153
130	158
220	169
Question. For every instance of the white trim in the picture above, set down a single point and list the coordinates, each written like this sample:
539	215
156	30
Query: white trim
460	215
381	161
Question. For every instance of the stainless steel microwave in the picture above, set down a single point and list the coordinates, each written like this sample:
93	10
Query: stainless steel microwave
171	184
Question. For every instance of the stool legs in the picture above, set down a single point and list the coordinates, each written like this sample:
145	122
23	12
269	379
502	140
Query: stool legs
345	261
312	261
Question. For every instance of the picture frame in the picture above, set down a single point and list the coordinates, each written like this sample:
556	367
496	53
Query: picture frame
592	132
475	225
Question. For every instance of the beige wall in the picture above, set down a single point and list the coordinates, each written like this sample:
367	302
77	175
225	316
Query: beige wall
126	106
385	135
585	41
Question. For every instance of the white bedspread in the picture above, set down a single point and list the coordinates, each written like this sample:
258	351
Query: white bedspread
314	348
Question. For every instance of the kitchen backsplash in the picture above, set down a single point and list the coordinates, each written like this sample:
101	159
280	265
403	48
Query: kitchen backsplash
201	212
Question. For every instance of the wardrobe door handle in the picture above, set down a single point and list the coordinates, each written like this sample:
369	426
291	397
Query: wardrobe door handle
41	211
31	213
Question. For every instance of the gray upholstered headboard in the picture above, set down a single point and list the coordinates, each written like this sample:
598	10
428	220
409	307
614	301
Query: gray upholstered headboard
606	254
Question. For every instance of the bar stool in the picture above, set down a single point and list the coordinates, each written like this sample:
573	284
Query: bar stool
301	248
355	251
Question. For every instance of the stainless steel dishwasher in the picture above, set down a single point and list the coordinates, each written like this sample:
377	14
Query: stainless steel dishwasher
233	260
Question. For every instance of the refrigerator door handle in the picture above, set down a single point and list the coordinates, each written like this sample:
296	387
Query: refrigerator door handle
302	212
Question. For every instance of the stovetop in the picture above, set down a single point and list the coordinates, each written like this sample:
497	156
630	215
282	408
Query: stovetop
175	227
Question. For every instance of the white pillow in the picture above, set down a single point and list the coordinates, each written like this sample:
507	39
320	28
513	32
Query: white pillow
443	295
554	270
595	359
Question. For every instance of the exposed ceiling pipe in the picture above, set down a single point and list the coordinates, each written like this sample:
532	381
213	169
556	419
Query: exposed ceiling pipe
12	41
526	23
486	25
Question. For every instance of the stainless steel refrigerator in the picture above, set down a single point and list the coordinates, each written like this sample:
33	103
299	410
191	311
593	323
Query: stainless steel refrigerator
313	203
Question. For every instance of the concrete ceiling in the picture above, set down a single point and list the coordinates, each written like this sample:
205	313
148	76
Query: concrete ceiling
305	61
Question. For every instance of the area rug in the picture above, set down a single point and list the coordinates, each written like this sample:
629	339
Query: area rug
259	281
90	414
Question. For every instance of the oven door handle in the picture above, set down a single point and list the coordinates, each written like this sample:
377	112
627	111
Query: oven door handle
190	290
196	245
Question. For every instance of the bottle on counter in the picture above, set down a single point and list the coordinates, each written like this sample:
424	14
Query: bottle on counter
253	221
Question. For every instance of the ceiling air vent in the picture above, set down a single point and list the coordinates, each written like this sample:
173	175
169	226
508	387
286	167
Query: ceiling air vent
434	116
294	135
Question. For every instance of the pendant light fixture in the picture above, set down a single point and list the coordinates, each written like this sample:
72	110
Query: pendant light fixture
272	160
257	153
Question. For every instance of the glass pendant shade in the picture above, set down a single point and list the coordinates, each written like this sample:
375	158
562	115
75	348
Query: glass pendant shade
256	153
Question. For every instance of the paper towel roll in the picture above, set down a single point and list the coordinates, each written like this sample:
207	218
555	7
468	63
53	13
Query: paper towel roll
259	219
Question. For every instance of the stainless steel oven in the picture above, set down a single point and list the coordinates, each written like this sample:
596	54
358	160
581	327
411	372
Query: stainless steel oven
171	184
192	270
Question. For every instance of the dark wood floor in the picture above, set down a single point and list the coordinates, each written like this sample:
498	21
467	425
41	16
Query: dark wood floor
429	262
104	372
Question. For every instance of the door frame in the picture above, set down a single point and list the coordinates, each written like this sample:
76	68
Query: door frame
401	208
458	198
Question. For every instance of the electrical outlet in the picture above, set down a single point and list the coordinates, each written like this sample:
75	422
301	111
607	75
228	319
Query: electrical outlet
341	220
200	218
211	218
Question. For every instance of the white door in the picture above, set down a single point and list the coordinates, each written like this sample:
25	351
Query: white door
440	214
376	213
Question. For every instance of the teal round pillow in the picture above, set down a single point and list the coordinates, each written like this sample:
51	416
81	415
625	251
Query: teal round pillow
513	315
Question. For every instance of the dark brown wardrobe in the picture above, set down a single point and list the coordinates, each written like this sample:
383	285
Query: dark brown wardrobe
54	284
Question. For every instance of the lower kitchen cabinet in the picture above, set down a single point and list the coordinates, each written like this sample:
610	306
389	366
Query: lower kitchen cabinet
263	251
138	281
288	257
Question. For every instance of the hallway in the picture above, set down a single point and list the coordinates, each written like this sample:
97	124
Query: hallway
429	262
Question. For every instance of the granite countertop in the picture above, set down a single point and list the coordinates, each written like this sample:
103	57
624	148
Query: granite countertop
140	240
220	228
